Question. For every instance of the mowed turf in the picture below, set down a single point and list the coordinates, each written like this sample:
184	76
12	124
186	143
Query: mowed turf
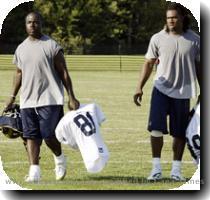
124	132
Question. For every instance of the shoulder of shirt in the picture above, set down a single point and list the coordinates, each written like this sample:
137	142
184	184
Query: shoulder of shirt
48	38
53	43
160	33
88	107
193	34
44	38
82	108
22	44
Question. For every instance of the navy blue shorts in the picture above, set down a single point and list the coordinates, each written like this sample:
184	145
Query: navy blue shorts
162	107
40	122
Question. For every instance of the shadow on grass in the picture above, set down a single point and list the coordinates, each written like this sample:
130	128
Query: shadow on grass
132	179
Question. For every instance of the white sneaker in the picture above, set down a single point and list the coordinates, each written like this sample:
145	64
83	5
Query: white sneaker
176	176
155	175
32	179
34	174
60	170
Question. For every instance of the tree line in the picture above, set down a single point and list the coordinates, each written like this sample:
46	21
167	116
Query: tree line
91	26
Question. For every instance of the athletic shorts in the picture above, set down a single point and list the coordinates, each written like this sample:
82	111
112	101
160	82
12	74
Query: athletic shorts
40	122
165	111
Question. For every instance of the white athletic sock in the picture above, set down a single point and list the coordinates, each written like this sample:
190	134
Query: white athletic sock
34	170
59	159
176	165
156	163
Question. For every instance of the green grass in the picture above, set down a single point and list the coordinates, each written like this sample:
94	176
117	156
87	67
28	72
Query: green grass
124	132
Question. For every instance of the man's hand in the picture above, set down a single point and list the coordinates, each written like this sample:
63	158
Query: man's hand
73	104
138	97
9	104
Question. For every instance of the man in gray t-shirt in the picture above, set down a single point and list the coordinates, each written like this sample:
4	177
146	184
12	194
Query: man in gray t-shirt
177	49
41	74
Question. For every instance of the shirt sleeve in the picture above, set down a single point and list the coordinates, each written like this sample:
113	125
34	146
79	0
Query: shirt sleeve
59	132
64	133
16	60
68	137
99	114
152	51
197	57
56	48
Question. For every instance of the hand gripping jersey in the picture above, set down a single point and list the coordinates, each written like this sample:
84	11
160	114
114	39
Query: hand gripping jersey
80	129
193	135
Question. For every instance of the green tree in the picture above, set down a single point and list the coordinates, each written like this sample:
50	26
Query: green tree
92	26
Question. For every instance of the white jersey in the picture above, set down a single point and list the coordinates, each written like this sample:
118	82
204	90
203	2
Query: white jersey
80	129
193	135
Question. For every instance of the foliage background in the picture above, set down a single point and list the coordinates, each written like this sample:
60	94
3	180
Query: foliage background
91	26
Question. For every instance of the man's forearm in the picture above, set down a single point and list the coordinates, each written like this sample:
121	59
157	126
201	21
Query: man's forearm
68	84
198	73
16	83
144	75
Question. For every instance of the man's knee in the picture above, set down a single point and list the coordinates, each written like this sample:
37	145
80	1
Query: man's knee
156	133
49	140
52	141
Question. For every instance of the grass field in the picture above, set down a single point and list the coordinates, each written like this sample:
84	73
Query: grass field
124	132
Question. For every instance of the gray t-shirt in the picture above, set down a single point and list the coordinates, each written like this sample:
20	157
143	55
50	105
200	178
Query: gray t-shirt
176	72
41	85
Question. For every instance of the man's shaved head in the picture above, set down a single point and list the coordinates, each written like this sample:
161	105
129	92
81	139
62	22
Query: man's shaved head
36	14
34	24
